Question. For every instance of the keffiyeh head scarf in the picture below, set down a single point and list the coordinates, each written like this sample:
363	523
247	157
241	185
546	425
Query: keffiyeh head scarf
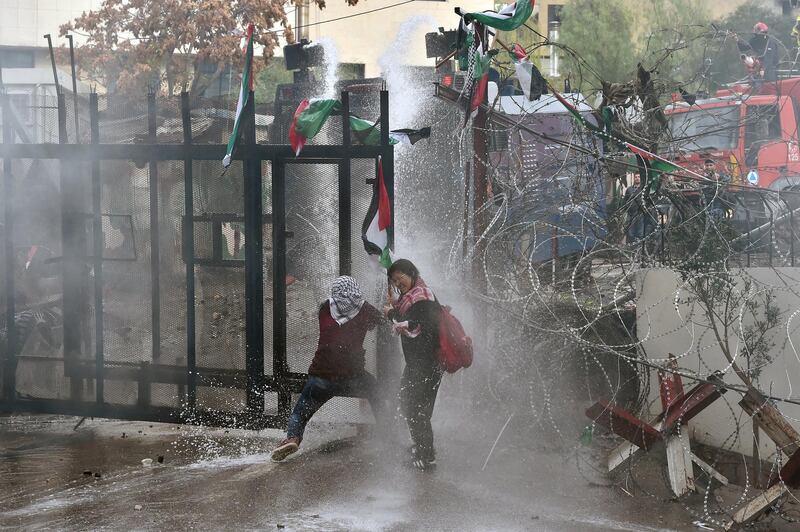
346	299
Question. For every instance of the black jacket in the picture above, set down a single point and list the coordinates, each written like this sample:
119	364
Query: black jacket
421	352
765	48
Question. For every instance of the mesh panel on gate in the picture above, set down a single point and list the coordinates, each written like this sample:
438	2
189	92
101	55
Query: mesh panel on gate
312	254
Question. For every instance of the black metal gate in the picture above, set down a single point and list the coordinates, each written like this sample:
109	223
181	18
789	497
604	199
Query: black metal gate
199	304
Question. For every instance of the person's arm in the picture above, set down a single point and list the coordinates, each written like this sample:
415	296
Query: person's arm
743	46
374	318
424	314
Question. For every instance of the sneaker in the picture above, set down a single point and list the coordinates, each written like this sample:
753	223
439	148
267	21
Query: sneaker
424	464
285	448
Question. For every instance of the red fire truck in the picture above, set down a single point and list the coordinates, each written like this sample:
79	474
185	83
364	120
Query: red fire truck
751	130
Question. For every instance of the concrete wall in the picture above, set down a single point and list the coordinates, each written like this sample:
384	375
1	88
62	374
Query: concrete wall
668	323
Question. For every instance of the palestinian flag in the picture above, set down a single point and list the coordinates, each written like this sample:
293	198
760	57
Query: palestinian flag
308	120
410	136
530	79
480	80
244	95
655	166
509	18
574	112
366	132
376	232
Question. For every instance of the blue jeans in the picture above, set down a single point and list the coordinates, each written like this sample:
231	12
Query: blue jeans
640	226
318	391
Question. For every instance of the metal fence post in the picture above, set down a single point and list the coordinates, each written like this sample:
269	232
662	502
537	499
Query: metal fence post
386	363
73	250
253	266
279	365
97	251
10	362
188	254
155	253
345	201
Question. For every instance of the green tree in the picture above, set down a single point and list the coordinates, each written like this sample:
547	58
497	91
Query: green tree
601	33
268	79
135	44
610	37
675	42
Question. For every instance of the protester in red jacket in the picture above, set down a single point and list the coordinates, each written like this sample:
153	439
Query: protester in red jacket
338	364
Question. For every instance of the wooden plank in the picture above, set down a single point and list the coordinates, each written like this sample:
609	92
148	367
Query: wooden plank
710	470
625	450
679	465
670	384
790	472
771	421
623	423
756	507
692	403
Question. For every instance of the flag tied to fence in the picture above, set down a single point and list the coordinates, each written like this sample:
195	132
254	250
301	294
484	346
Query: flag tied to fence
244	96
377	229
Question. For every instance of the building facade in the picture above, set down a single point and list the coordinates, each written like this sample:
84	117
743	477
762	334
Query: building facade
27	72
369	31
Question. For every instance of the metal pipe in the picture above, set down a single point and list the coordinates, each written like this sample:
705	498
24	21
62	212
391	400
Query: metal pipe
53	63
74	87
155	244
188	257
253	267
10	371
345	207
97	253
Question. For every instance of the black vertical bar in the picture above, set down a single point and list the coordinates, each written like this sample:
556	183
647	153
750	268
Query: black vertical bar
97	250
216	240
74	87
53	64
279	366
62	119
155	253
771	230
253	267
388	158
749	228
386	366
72	225
10	369
345	203
188	253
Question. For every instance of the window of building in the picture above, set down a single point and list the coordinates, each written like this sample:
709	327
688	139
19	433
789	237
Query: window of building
10	58
554	13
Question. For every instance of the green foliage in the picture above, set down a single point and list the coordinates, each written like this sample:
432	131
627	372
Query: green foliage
674	42
611	37
601	33
268	79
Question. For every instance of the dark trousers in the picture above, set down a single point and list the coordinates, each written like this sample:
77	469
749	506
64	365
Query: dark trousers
318	391
418	389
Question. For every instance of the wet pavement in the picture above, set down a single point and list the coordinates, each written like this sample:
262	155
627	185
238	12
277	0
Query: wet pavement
55	477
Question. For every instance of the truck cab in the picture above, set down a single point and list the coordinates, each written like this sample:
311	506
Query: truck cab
753	133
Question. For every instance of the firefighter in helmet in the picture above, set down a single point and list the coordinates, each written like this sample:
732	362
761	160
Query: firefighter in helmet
762	48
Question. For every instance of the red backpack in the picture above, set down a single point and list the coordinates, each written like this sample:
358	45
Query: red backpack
455	347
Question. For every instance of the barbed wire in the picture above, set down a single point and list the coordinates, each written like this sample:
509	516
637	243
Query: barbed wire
566	253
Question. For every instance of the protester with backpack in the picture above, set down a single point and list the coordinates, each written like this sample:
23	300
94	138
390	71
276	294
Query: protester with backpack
415	317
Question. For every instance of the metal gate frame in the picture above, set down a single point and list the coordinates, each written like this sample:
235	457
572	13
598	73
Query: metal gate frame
253	379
